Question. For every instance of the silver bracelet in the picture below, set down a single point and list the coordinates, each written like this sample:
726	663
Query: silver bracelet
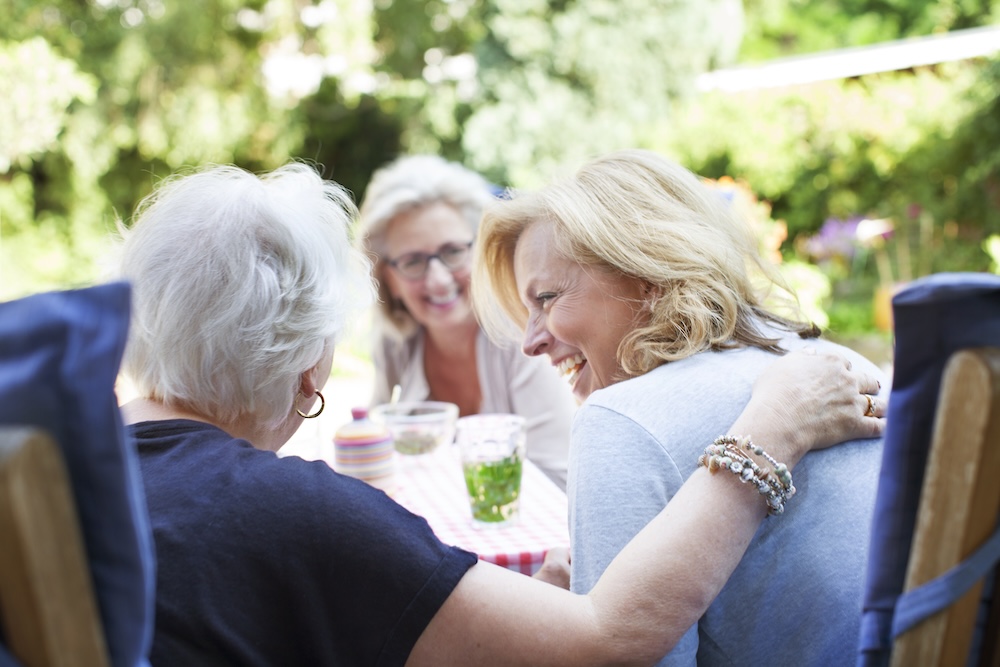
732	453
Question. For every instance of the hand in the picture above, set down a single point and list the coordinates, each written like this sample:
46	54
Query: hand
810	400
555	568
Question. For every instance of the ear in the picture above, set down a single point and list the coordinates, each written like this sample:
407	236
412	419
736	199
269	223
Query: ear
651	294
651	291
309	381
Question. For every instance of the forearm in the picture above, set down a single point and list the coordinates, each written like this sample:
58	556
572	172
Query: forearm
668	575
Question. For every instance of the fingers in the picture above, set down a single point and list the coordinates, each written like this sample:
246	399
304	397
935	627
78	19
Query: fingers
555	568
874	411
873	405
868	384
830	399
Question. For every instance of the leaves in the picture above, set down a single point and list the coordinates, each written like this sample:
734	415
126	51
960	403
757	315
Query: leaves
39	86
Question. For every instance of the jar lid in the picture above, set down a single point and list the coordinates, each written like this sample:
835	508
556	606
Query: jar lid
361	430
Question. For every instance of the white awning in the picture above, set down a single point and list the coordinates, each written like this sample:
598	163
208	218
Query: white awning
844	63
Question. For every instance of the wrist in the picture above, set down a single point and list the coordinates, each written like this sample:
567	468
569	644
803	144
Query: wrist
752	466
772	431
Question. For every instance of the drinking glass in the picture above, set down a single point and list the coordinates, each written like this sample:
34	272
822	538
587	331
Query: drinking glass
491	448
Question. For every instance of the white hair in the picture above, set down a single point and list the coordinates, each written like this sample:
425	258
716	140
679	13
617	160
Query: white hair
240	284
405	184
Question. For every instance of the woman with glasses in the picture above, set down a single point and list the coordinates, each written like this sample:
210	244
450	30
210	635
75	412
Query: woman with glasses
418	224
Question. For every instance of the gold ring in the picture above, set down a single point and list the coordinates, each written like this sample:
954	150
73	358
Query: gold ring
870	410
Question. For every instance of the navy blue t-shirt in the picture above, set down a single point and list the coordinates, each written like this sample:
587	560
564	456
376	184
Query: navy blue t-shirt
279	561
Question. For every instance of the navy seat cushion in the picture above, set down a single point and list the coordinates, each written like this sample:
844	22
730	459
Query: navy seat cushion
59	358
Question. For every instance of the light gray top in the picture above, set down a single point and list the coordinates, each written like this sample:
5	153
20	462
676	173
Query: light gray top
795	599
510	383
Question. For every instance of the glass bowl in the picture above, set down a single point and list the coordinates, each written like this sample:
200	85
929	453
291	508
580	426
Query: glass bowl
418	427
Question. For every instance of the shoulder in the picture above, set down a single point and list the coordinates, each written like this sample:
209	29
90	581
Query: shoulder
393	347
857	359
705	377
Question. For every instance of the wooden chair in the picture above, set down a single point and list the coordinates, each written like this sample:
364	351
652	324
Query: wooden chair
48	608
934	539
958	511
73	520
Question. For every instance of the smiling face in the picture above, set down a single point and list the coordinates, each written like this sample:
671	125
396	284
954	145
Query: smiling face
441	298
577	315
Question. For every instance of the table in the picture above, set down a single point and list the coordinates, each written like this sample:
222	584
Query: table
432	486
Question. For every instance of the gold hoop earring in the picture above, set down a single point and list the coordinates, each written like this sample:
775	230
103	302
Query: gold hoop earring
322	404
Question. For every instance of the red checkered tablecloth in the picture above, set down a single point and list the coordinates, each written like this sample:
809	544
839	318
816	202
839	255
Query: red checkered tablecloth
433	487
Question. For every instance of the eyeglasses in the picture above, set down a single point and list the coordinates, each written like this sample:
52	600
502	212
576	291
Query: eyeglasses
414	265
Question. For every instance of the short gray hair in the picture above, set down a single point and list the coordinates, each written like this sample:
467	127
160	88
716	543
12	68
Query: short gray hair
407	183
240	284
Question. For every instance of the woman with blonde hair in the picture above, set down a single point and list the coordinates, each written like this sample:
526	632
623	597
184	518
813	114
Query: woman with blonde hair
648	292
419	220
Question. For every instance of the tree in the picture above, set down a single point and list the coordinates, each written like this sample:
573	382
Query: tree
560	81
134	90
777	28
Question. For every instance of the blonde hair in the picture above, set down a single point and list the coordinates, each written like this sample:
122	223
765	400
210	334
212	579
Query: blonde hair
640	215
403	185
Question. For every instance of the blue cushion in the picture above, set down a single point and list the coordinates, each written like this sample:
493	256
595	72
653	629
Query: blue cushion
6	659
59	358
933	318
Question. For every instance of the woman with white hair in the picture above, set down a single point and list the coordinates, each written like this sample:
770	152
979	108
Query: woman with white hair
242	287
650	294
418	223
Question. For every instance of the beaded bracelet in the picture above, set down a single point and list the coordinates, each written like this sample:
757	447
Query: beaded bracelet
775	484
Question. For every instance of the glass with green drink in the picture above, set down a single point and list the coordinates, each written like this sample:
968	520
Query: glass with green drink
491	447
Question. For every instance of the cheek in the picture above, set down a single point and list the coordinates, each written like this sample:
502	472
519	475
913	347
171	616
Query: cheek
564	325
463	278
400	289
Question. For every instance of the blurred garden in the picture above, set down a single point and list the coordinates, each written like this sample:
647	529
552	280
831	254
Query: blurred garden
856	184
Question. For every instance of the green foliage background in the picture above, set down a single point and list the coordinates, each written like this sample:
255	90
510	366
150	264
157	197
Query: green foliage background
105	97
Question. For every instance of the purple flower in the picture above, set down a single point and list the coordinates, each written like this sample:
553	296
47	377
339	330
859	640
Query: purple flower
836	238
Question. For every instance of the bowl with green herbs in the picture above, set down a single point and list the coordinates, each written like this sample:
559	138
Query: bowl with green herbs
417	427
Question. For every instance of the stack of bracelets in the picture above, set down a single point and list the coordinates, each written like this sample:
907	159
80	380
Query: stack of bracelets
732	453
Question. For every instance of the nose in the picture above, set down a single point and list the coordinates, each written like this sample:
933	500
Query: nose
437	272
537	338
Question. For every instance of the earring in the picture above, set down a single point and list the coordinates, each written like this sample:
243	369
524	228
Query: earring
322	404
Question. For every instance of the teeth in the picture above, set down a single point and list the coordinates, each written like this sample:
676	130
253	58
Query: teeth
440	299
570	367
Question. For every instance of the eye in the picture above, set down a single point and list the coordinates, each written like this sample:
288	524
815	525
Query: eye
410	262
543	298
452	251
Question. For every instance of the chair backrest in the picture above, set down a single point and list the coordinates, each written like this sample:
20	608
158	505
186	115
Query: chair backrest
59	359
47	603
934	539
959	506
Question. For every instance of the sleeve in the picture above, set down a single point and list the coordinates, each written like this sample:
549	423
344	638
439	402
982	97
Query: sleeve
374	569
544	399
622	477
